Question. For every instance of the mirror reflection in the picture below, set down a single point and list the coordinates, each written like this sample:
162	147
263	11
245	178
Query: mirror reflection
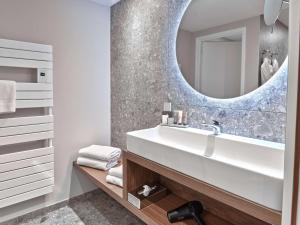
225	49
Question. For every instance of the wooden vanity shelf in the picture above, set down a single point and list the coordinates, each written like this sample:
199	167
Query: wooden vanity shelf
221	207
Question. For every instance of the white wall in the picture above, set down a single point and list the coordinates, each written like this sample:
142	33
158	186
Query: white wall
186	50
221	75
252	47
79	31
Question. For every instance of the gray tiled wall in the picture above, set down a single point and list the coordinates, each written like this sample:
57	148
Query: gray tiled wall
145	74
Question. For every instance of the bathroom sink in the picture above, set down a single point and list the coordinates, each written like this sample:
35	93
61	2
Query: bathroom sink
247	167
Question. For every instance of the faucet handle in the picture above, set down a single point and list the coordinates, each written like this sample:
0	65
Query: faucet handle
215	122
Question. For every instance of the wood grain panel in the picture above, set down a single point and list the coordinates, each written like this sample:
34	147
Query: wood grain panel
138	171
260	212
159	211
227	213
99	178
154	214
138	176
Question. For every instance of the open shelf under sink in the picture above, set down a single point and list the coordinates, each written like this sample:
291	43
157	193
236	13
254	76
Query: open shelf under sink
221	208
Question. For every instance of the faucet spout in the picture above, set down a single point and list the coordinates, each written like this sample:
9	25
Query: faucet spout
215	127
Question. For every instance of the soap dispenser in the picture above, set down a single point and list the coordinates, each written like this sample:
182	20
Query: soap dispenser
167	112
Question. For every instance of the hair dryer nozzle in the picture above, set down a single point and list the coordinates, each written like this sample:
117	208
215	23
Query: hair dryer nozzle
190	210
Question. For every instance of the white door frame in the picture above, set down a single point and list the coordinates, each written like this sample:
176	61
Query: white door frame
199	46
289	156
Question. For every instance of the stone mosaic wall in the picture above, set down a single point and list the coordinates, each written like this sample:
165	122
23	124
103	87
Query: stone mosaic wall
145	73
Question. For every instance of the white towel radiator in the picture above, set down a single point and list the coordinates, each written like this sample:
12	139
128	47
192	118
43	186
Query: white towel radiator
27	173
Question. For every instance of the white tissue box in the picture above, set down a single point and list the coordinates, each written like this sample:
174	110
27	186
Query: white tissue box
139	201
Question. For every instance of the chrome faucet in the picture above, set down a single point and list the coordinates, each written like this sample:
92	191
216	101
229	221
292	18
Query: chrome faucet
216	127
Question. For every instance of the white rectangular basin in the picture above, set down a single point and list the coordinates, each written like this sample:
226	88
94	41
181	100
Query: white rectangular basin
247	167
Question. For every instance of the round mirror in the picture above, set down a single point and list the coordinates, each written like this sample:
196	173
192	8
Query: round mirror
225	49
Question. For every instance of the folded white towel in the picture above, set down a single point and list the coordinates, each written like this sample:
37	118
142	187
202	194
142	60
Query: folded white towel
103	153
97	164
116	171
114	180
7	96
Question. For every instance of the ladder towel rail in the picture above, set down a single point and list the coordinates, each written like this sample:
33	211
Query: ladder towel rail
27	173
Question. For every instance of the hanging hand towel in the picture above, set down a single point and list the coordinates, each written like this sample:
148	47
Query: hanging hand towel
116	172
275	65
97	164
114	180
7	96
103	153
266	70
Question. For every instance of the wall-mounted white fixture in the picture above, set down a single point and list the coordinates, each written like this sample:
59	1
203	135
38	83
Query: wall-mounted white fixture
106	2
27	171
225	161
272	10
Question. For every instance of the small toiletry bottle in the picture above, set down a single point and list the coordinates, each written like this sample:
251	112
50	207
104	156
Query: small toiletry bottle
167	112
164	119
185	118
168	109
175	116
170	121
179	120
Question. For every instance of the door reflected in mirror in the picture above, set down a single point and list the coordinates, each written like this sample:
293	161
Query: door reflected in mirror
225	49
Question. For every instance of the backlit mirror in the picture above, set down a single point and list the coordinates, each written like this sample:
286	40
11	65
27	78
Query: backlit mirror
225	49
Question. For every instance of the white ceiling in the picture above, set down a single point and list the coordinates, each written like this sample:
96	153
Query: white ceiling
203	14
106	2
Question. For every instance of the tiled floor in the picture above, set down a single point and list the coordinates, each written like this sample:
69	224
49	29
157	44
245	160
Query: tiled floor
95	208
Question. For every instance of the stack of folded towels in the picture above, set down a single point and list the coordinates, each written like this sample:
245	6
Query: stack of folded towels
99	157
115	176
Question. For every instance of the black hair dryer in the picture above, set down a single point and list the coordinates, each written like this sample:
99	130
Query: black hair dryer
190	210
